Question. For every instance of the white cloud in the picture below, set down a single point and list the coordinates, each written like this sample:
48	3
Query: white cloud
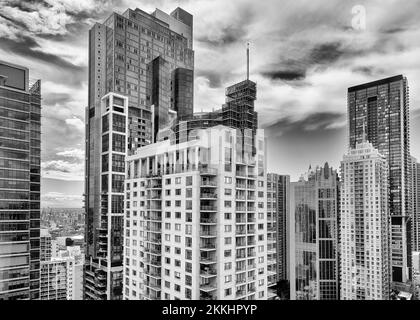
62	170
77	123
72	153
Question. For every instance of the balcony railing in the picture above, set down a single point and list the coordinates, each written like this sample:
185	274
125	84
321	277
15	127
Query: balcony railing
208	259
208	220
208	273
208	287
208	171
208	195
208	246
208	208
207	233
206	183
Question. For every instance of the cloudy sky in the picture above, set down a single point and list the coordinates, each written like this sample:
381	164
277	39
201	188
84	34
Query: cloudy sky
304	56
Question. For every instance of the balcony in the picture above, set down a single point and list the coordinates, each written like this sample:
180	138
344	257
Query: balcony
155	286
208	183
207	296
241	173
153	274
241	280
208	208
153	251
154	186
240	293
206	171
207	233
154	262
240	231
240	220
208	246
208	196
208	287
208	272
208	221
208	259
241	243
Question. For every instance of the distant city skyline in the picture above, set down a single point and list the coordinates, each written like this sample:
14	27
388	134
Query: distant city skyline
303	59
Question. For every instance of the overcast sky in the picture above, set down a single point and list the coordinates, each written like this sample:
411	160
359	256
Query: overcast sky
304	56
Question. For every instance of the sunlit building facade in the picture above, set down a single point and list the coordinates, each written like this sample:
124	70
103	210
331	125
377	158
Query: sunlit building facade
364	225
196	224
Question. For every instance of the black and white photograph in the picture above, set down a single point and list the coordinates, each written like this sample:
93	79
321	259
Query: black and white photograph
231	152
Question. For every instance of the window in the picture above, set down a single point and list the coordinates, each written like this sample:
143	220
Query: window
188	216
188	254
188	193
228	278
177	192
228	265
188	229
228	240
178	180
228	192
228	216
228	180
228	228
189	181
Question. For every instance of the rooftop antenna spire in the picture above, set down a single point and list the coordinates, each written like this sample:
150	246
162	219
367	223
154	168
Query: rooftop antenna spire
247	61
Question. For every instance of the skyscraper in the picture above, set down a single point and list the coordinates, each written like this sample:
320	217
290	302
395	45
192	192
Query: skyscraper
196	219
132	57
382	107
314	223
415	191
20	136
278	197
364	225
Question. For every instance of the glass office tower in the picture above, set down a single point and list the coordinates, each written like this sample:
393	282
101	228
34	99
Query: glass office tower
314	255
131	55
20	122
382	107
